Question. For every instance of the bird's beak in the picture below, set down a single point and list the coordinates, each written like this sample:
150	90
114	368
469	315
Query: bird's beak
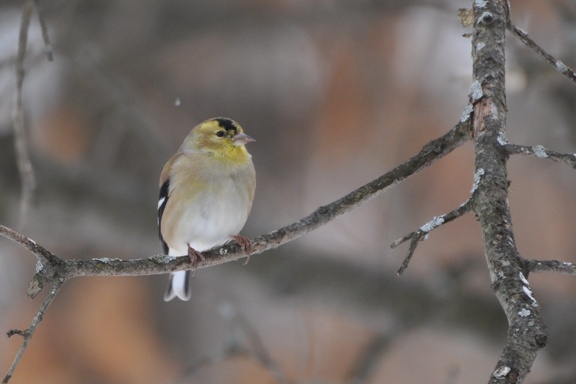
241	139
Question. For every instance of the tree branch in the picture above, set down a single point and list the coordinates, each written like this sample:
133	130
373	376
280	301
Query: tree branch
422	233
551	266
22	156
28	333
527	332
541	153
557	64
485	116
52	269
23	161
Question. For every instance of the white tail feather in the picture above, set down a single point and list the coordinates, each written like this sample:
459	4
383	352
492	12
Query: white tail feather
179	286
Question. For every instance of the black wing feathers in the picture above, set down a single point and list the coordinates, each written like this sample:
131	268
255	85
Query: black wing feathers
164	190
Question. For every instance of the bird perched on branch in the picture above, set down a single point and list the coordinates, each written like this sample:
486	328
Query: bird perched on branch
206	192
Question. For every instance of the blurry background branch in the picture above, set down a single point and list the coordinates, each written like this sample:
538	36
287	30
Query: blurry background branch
28	181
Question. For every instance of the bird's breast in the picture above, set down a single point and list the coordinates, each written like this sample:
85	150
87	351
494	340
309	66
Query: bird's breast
215	212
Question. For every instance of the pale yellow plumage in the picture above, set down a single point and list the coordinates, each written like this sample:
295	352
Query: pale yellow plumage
206	192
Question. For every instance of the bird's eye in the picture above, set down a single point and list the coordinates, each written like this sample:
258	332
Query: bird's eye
220	133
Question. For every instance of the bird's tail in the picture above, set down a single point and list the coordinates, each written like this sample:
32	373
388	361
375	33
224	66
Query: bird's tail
179	286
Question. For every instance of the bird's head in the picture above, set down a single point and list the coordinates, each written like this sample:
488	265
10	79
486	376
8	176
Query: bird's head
220	137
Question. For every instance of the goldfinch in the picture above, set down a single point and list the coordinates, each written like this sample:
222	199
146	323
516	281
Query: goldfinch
206	193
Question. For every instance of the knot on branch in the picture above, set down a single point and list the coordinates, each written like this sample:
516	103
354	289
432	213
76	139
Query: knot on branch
42	277
541	340
486	19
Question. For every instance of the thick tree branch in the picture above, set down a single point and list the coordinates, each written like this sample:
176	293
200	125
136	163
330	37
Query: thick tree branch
527	332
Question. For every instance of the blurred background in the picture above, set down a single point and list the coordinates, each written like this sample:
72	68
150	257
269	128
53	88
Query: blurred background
336	93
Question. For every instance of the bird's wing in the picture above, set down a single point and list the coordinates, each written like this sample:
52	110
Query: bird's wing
163	199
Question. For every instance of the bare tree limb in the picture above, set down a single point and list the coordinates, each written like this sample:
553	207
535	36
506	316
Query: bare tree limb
423	232
52	269
485	116
231	251
29	332
557	64
527	332
551	266
541	153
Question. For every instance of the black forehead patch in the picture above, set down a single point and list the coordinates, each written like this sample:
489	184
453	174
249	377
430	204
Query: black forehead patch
228	125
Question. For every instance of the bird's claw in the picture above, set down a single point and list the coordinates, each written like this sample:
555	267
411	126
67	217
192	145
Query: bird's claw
194	256
245	245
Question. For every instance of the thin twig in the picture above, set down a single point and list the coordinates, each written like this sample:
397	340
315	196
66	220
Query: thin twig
537	266
422	233
557	64
28	333
542	153
415	238
23	157
44	27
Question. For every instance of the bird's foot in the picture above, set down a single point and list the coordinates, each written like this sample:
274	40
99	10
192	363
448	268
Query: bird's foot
194	256
245	245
